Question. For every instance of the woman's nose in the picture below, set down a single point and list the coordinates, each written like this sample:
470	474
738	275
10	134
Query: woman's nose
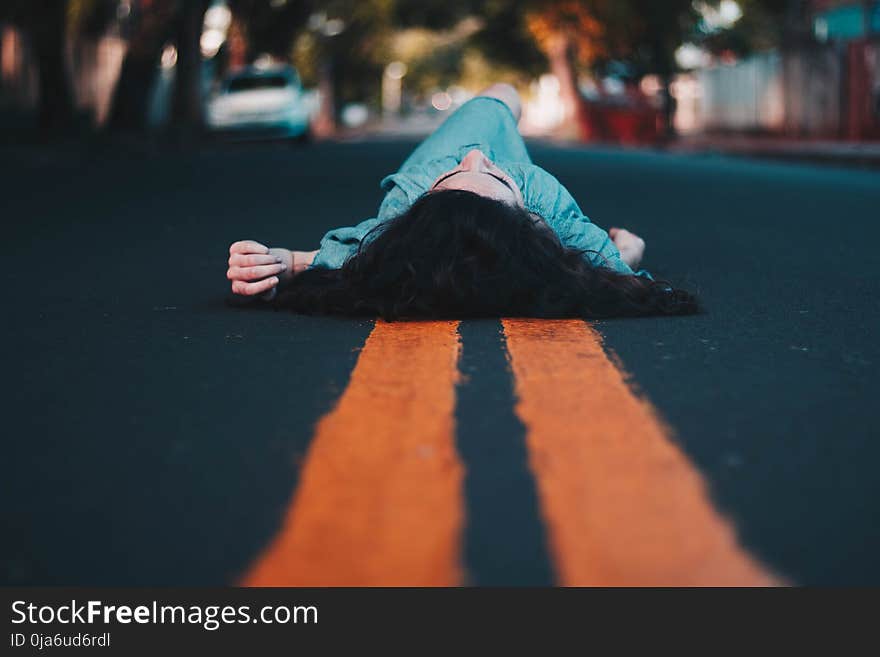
475	160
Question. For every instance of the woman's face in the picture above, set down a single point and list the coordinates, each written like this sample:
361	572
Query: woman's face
478	174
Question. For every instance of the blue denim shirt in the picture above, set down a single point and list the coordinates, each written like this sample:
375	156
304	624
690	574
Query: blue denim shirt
493	126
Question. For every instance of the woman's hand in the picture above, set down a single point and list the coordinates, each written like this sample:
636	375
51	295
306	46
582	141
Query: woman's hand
257	269
630	245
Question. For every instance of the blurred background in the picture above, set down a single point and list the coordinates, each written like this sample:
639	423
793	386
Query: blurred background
616	71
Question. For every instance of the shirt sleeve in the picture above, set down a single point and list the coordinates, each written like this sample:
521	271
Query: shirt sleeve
552	201
581	234
340	244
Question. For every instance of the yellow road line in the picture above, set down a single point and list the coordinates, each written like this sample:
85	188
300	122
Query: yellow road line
380	501
622	503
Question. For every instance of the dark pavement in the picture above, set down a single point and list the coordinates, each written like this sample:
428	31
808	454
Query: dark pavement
152	434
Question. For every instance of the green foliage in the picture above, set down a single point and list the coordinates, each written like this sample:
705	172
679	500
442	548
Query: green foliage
272	26
305	56
505	40
760	28
360	53
89	18
433	14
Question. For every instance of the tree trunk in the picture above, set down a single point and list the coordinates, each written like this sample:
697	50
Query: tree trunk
664	60
668	106
325	122
186	103
576	113
237	46
48	31
128	111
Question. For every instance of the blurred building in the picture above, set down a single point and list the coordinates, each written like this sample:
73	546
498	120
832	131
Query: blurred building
823	84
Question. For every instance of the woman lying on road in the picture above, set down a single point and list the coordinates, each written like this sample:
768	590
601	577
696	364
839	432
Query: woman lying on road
469	227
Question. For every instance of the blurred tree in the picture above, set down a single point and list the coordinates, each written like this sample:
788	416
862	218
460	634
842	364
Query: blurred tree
269	26
344	48
569	31
186	101
361	51
648	37
439	58
44	22
153	26
156	24
506	40
763	26
90	18
433	14
566	35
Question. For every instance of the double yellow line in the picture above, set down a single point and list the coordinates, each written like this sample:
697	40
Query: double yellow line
380	499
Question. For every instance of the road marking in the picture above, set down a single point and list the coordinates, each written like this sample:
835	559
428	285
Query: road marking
622	503
380	499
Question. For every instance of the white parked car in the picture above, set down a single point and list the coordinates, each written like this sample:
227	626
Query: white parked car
263	101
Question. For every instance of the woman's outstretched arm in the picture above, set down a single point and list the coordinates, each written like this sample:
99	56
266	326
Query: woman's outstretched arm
258	269
630	245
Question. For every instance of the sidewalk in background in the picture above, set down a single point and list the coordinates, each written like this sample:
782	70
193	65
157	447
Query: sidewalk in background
841	153
416	126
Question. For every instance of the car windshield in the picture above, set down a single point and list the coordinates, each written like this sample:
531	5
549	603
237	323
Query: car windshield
259	82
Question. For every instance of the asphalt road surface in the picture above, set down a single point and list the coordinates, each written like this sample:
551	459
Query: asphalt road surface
153	435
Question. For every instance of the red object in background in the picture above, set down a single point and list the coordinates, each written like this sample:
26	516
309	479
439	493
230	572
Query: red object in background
632	126
862	106
628	119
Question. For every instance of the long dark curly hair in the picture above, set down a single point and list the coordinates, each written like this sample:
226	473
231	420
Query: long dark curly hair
456	254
